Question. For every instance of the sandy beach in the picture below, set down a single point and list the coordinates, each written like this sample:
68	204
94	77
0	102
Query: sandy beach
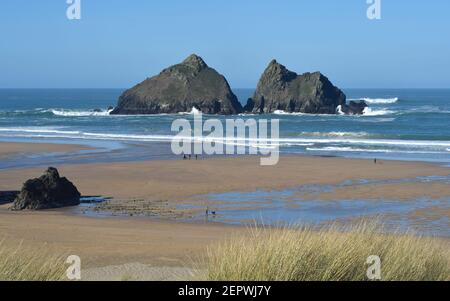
166	242
112	241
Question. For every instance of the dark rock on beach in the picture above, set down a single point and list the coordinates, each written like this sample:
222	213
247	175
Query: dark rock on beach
282	89
179	88
46	192
8	196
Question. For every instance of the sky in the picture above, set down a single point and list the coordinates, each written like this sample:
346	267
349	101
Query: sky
117	43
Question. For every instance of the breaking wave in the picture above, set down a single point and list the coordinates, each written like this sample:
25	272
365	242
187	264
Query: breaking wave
335	134
78	113
374	112
364	150
281	112
334	137
367	112
378	100
106	113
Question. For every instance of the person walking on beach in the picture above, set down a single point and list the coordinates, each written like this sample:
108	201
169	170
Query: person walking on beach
375	161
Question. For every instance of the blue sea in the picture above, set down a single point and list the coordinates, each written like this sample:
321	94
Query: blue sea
401	124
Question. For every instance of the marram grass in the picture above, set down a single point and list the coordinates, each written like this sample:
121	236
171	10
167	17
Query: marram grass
19	263
329	254
292	254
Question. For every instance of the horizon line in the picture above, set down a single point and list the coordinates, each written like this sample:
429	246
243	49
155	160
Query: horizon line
240	88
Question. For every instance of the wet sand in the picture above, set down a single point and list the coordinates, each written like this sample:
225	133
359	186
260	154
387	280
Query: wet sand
397	191
177	180
8	149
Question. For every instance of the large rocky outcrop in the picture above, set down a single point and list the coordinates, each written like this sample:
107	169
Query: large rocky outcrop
281	89
46	192
179	88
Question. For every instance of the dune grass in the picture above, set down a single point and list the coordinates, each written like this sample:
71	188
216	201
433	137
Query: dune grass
273	254
329	254
19	263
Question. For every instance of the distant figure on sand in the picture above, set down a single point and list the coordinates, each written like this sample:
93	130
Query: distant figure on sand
208	211
375	161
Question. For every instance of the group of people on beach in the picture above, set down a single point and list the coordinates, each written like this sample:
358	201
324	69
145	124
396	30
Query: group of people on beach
189	157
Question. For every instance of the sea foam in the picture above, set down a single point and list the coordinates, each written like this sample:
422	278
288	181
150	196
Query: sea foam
378	100
374	112
365	150
335	134
79	113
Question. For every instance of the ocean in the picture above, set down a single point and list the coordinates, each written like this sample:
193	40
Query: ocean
401	124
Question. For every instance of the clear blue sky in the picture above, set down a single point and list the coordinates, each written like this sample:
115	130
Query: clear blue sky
119	43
